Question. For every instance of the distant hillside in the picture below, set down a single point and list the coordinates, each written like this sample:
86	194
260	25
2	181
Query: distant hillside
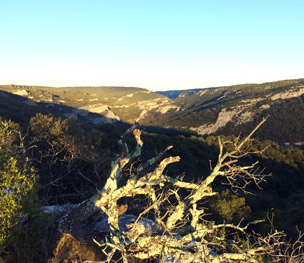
20	110
113	103
235	109
171	94
225	110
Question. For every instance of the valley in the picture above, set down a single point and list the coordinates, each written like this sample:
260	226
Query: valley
211	111
70	135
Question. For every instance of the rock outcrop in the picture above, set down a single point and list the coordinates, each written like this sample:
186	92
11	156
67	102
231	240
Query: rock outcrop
299	91
223	118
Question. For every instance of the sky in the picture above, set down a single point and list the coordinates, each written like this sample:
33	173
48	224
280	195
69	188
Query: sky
152	44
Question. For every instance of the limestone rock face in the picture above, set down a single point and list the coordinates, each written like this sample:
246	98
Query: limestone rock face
108	116
21	92
166	108
289	94
223	118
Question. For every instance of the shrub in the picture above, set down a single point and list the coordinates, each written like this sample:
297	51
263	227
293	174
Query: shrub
17	183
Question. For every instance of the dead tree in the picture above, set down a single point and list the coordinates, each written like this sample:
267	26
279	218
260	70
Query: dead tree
180	229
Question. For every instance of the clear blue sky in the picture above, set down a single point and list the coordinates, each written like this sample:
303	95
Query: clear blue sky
154	44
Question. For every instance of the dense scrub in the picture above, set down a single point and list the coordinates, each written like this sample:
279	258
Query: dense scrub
72	161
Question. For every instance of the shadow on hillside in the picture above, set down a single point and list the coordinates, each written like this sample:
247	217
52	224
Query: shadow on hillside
20	109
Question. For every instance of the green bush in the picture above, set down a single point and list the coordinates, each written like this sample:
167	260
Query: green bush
229	207
17	183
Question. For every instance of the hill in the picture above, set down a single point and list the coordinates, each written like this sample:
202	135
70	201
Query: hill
113	103
235	109
227	110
